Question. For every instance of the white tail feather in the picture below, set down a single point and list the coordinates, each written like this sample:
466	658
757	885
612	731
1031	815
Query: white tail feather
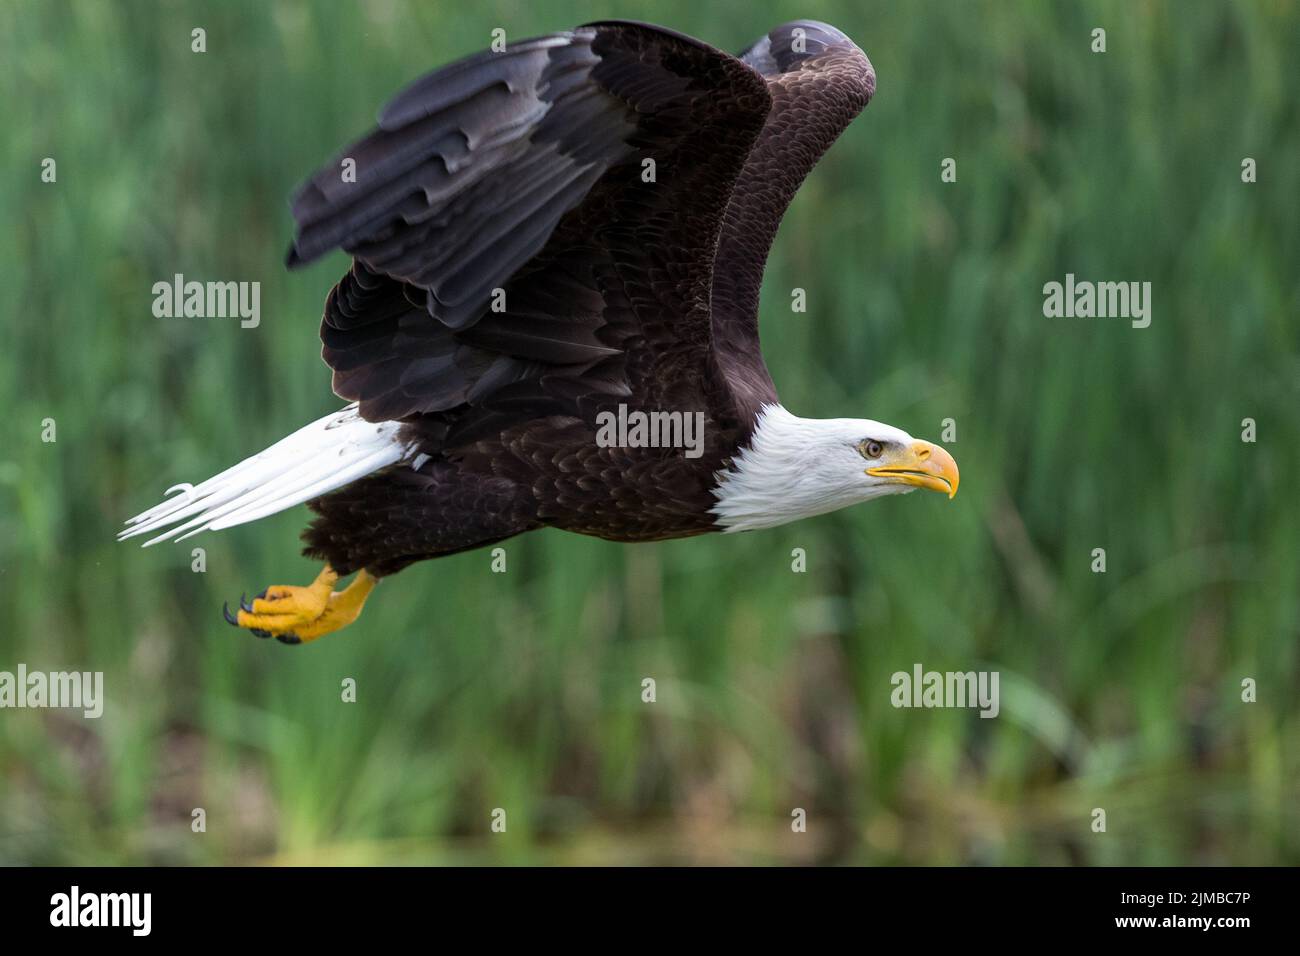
318	458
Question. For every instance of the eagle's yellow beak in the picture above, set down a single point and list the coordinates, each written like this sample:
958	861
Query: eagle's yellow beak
924	465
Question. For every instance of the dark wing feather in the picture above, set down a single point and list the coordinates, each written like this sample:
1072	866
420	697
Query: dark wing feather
522	171
469	171
819	81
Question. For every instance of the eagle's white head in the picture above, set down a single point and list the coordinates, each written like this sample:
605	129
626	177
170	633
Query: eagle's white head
798	467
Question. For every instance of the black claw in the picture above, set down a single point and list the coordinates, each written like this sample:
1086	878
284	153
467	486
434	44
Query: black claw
260	595
225	611
288	638
243	602
256	633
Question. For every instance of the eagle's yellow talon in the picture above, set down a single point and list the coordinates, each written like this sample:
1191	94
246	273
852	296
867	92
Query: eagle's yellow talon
308	602
296	615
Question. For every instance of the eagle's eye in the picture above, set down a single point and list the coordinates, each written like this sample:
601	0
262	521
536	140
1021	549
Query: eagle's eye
871	448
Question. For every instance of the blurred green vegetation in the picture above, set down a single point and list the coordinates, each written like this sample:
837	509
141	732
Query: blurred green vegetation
522	691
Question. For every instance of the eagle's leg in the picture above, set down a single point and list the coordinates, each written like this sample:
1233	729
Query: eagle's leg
296	615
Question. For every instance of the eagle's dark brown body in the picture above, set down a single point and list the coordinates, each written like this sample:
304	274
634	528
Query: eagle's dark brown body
517	271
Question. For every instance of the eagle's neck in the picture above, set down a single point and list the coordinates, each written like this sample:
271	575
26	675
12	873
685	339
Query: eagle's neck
792	468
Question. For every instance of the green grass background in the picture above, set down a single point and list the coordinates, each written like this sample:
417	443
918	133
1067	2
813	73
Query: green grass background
522	691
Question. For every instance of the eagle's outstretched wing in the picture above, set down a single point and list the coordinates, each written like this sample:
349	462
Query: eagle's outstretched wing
819	81
533	231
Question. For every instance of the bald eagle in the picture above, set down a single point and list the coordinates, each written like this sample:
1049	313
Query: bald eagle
544	237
